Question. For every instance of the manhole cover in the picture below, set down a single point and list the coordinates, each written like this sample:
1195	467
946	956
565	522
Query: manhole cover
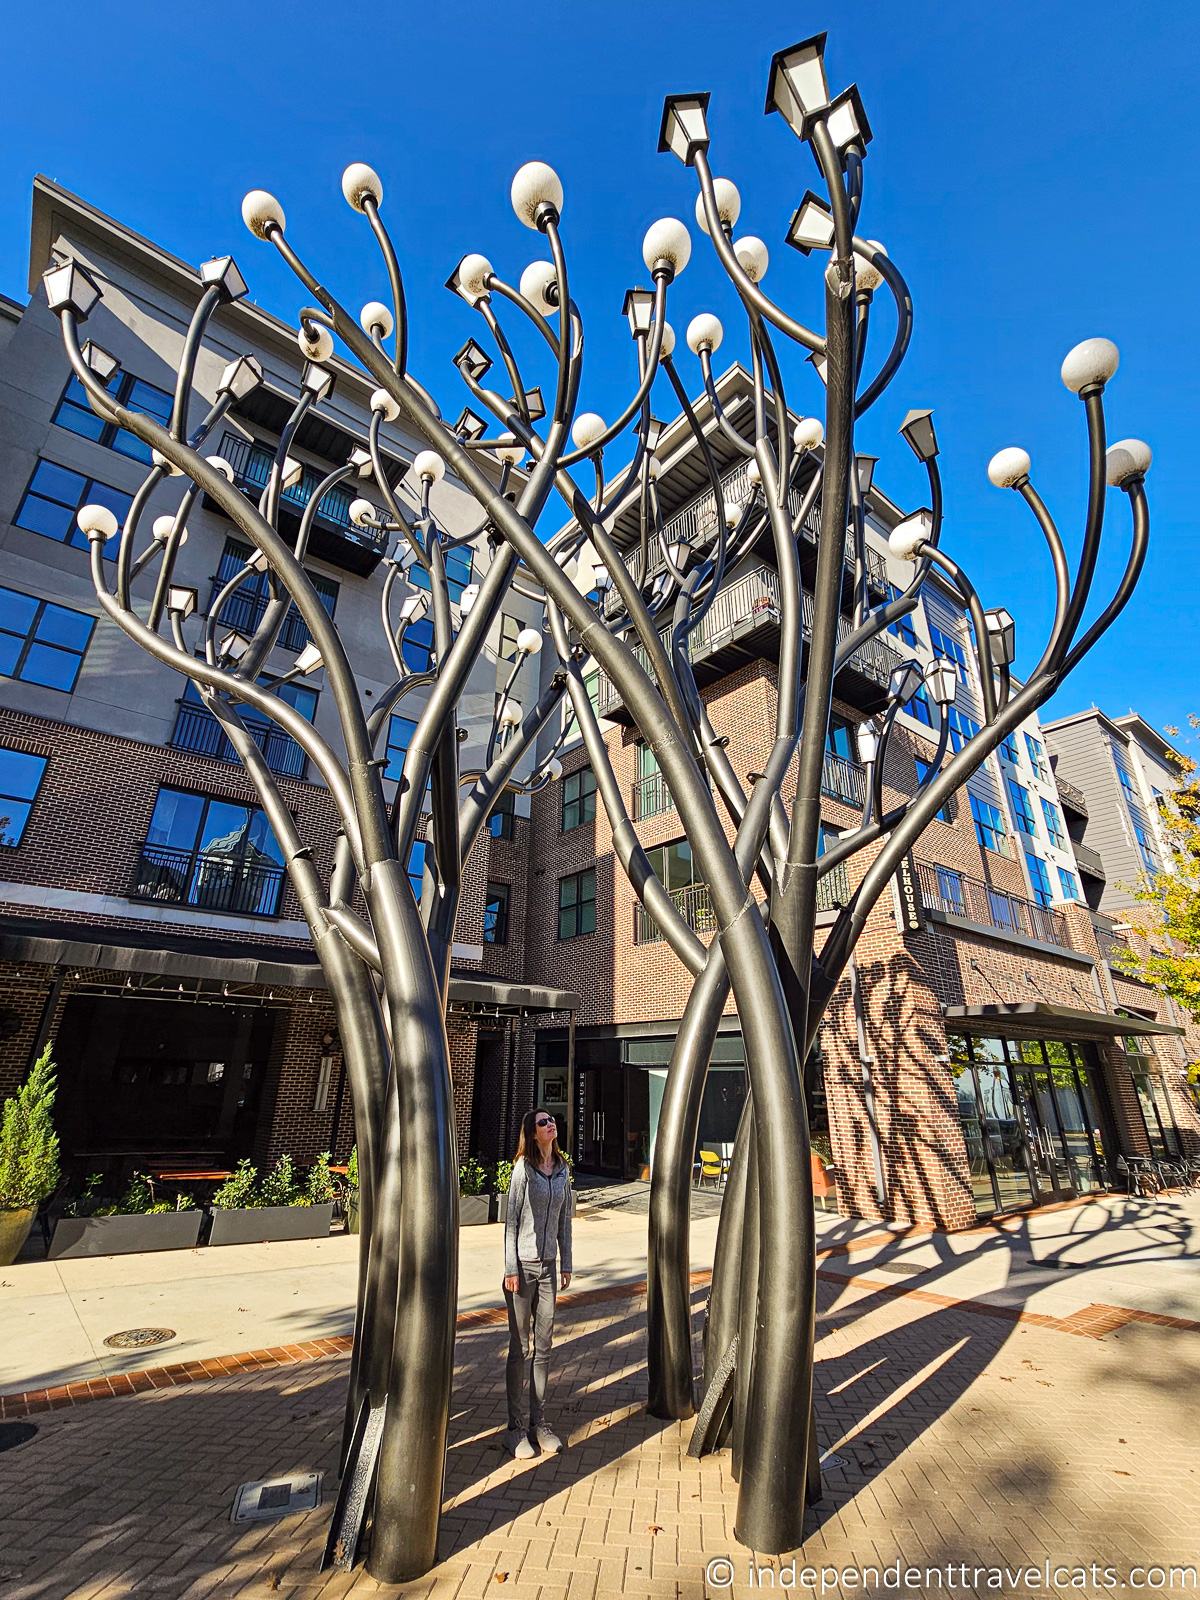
901	1269
14	1433
277	1497
139	1338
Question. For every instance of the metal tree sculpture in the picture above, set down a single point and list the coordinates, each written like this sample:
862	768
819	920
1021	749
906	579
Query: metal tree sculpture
387	968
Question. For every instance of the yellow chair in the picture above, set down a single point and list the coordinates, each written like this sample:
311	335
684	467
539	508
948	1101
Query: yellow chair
711	1166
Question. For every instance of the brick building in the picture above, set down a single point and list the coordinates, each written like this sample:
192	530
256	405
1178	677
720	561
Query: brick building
983	1054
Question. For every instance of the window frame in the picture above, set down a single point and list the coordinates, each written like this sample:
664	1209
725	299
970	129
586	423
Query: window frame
500	922
575	907
28	801
579	800
1039	881
903	627
110	434
985	824
945	814
1052	817
74	538
195	852
1022	808
29	640
1068	883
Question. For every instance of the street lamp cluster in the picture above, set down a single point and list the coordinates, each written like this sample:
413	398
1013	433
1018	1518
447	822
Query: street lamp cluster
630	610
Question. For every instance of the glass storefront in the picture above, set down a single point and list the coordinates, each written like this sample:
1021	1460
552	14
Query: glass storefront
1034	1118
1153	1100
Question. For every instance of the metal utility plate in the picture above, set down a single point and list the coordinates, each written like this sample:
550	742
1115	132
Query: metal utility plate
273	1498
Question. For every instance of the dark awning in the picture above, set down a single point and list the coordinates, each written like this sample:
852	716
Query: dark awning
1042	1019
210	961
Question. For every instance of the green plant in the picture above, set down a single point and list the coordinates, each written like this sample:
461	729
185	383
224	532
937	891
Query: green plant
472	1177
238	1191
319	1186
138	1200
352	1172
279	1187
503	1176
29	1167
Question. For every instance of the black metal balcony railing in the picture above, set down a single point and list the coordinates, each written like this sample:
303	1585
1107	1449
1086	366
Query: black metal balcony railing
948	890
750	602
209	881
199	731
651	797
695	905
243	611
252	462
697	521
1089	861
1112	944
843	779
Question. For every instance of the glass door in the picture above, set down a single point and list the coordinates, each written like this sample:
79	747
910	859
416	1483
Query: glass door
602	1137
1035	1096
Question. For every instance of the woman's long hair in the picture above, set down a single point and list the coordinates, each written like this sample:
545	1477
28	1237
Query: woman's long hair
527	1144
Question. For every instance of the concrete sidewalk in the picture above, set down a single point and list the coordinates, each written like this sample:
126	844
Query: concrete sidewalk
1136	1255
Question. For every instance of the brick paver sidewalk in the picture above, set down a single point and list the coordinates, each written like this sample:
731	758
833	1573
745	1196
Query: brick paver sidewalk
962	1438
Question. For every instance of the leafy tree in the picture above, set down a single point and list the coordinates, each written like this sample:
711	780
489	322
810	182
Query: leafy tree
1171	964
319	1185
29	1166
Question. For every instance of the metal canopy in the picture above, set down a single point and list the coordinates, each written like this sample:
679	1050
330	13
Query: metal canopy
1041	1019
214	963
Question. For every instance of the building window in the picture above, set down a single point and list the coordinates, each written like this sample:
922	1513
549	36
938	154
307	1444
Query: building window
41	642
1054	826
1022	807
1126	778
51	503
243	609
577	904
215	854
1037	757
918	706
926	771
416	868
502	822
578	798
1008	749
950	891
903	626
135	394
1039	878
962	728
417	648
20	778
950	650
1145	844
1069	884
495	914
197	730
399	736
989	825
510	627
459	562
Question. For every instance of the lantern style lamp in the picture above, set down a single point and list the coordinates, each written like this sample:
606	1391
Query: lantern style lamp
941	679
905	680
222	271
797	87
71	287
637	306
918	430
848	120
684	127
473	359
811	227
1002	635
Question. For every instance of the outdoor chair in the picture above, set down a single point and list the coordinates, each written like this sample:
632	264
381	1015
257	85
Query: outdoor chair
712	1167
823	1184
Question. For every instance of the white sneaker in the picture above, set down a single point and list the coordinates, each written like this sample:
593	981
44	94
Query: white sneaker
518	1446
548	1441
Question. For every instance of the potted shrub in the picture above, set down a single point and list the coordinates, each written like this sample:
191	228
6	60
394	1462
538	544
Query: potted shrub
29	1167
247	1210
474	1200
502	1181
136	1221
352	1192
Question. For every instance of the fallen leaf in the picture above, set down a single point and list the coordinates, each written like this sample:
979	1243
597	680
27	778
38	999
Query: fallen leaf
501	1577
653	1527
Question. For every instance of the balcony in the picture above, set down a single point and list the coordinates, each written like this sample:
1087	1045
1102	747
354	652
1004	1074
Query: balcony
243	611
951	892
695	906
651	797
1071	797
844	780
742	625
1113	945
1089	861
199	732
334	538
697	522
208	881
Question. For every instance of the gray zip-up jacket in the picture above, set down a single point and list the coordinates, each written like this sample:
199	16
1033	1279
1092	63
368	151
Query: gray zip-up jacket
540	1208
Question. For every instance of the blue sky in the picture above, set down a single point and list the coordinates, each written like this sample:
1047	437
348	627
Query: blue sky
1030	174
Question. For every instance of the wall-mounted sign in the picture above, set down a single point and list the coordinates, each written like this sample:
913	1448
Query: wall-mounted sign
906	893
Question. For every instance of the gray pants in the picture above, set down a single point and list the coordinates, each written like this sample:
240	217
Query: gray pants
531	1307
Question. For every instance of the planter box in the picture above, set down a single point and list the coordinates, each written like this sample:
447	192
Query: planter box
473	1209
256	1224
125	1235
15	1226
502	1210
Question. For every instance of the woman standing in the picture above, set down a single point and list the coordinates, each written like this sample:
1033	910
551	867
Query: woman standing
537	1233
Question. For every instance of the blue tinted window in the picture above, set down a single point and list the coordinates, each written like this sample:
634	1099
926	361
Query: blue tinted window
400	732
1022	806
1037	755
949	649
923	771
962	728
1039	878
920	708
135	394
41	642
20	775
416	867
903	628
458	571
51	502
989	824
418	645
1069	884
217	855
1053	821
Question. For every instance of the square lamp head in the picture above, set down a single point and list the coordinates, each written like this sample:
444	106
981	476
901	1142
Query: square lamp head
684	127
223	271
811	227
797	87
